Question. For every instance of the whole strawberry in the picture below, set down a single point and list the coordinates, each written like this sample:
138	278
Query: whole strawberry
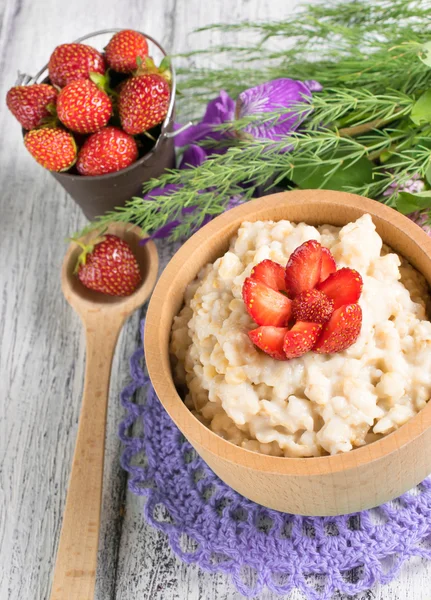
106	151
123	50
108	265
70	62
83	107
53	148
143	102
29	103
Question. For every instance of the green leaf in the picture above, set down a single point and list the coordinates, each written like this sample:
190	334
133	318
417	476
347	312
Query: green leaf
347	175
428	174
407	202
421	111
425	54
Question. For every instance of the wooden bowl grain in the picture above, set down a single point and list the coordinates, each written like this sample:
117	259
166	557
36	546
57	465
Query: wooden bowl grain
328	485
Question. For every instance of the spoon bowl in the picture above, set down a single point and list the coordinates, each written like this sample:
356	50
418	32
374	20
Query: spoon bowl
103	317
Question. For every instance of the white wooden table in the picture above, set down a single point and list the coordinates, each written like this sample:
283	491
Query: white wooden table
42	345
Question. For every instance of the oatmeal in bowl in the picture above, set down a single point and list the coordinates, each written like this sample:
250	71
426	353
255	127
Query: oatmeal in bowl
316	403
289	342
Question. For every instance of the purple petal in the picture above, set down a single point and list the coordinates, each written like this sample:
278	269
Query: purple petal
218	111
161	191
421	219
193	157
313	86
234	201
270	97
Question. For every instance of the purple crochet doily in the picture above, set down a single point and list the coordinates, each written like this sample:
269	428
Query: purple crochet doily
213	526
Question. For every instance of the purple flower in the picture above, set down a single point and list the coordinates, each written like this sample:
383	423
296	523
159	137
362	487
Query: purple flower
421	217
218	111
273	97
193	157
413	185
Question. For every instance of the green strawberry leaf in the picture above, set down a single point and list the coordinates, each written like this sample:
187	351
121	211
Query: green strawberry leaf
347	175
425	54
407	202
421	111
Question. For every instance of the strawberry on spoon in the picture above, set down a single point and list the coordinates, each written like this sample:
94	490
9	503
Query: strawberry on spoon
343	287
303	268
108	265
265	305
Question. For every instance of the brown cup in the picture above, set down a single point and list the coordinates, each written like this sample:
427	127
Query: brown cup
99	194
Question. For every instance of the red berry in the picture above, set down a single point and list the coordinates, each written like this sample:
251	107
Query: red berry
53	148
70	62
270	340
270	273
123	50
328	264
312	306
301	338
83	108
265	305
343	287
303	268
143	102
28	103
109	266
106	151
341	331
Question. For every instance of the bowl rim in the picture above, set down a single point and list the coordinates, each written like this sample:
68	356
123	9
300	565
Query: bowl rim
157	356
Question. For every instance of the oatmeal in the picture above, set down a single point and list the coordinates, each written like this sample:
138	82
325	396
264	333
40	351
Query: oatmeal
318	403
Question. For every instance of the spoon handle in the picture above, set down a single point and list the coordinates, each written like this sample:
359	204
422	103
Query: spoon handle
75	570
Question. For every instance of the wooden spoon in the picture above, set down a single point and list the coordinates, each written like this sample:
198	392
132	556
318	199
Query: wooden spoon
103	317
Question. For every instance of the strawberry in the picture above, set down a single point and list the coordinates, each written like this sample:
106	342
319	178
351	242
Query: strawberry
106	151
328	264
70	62
265	305
343	287
29	103
83	107
270	340
108	265
270	273
143	102
301	338
312	306
303	268
341	331
123	50
53	148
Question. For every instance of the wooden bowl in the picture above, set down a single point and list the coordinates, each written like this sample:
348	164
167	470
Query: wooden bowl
327	485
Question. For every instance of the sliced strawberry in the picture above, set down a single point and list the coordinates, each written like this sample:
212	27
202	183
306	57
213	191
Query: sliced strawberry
343	287
270	273
341	331
328	264
270	340
301	338
265	305
303	268
312	306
